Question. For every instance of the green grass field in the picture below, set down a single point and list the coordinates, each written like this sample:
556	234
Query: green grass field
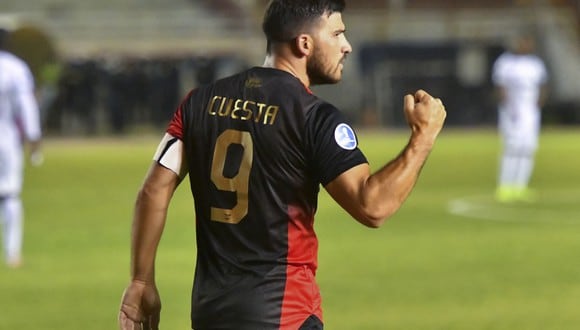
490	267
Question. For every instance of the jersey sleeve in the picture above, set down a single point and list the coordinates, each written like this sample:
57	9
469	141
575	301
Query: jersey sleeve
25	103
543	71
175	127
332	144
498	71
171	153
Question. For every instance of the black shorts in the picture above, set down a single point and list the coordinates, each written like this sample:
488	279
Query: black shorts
312	323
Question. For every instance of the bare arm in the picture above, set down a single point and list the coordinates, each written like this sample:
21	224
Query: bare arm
141	304
149	219
372	198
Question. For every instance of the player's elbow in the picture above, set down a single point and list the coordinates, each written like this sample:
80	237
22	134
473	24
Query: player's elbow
373	223
373	219
144	197
376	216
150	196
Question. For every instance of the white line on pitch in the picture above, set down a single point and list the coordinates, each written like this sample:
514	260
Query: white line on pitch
484	207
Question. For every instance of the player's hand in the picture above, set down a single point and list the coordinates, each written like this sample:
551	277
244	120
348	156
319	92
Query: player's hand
36	158
425	115
140	307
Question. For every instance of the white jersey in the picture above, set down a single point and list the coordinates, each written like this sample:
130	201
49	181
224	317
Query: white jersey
19	119
522	77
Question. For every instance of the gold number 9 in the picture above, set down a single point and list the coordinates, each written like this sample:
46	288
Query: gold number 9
240	182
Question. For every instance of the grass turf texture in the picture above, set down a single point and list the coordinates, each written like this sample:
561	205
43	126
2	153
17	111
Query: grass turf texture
424	269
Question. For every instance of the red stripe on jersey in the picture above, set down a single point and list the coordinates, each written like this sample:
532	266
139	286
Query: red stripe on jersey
175	126
301	293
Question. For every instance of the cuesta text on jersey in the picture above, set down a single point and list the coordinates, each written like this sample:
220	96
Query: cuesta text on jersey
239	109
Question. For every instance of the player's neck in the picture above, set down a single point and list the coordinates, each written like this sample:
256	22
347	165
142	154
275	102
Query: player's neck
291	66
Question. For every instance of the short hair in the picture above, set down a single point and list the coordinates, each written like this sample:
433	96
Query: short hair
284	20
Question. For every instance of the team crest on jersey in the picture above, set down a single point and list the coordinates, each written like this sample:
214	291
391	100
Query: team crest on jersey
344	137
253	82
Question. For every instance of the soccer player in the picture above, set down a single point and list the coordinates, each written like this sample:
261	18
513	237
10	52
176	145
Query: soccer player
256	147
19	121
520	78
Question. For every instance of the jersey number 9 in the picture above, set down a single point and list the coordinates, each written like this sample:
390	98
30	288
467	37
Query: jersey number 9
239	183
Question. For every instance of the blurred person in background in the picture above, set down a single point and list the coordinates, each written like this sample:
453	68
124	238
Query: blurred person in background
50	75
19	125
520	77
257	146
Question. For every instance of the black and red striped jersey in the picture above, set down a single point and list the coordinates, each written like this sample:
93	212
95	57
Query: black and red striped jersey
258	146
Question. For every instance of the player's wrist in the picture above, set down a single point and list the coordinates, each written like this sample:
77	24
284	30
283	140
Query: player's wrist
142	282
421	142
36	158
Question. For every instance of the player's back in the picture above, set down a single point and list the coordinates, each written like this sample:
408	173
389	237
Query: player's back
247	144
248	160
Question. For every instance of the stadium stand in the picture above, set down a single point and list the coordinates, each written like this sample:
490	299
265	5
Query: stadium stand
206	36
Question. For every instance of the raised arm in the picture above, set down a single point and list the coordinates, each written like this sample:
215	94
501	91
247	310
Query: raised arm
372	198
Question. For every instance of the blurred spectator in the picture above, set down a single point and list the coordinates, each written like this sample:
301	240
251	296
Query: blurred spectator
48	89
164	91
117	100
81	98
130	91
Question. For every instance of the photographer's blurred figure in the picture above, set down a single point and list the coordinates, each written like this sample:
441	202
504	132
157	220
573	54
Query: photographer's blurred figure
19	126
520	77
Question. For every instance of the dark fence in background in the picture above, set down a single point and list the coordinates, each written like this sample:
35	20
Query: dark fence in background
459	73
98	96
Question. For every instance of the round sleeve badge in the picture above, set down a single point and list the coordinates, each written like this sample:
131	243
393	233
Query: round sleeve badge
344	137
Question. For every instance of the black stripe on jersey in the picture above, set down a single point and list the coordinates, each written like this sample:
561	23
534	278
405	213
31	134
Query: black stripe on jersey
167	146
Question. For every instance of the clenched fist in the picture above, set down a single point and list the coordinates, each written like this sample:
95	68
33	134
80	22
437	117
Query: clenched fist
425	115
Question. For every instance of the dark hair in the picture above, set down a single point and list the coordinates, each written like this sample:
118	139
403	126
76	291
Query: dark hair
284	20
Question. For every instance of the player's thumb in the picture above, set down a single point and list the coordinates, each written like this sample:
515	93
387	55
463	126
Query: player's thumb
409	102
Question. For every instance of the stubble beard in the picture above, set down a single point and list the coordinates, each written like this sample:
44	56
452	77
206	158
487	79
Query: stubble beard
317	74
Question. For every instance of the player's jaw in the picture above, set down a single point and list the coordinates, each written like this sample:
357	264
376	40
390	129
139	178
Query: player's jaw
321	70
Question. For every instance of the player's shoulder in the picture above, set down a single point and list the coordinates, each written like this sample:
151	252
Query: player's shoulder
536	60
324	111
14	61
325	107
16	69
505	57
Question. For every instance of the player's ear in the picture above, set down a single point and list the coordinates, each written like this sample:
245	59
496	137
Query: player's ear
304	44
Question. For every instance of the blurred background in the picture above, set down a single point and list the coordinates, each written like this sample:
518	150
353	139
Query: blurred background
113	66
451	259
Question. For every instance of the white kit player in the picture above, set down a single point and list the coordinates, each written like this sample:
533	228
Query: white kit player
520	78
19	122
